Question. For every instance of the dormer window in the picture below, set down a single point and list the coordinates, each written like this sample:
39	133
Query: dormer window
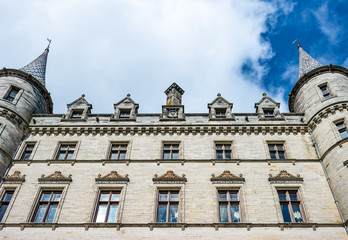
325	91
77	113
125	113
12	94
220	112
268	112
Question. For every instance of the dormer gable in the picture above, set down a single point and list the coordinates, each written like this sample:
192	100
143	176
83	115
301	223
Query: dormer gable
126	109
78	109
220	108
267	108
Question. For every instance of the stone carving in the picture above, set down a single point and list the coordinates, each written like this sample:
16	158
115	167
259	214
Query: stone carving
15	177
227	176
284	176
113	176
169	176
57	176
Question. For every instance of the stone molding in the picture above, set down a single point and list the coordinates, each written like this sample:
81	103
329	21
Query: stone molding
14	118
169	176
171	130
285	177
112	177
16	177
227	177
56	177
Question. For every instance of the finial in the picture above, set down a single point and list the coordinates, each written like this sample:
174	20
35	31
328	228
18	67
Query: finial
298	45
83	95
128	95
49	43
264	94
219	95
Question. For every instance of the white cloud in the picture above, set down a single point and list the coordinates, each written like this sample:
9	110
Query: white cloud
327	23
107	49
291	73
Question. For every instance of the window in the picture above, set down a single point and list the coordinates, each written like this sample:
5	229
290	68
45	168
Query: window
125	113
5	201
276	150
170	151
325	91
28	151
223	151
341	127
118	151
12	94
229	206
77	113
268	112
290	206
168	206
47	206
66	151
220	112
107	207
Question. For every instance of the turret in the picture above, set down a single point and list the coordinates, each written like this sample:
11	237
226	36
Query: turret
22	94
322	94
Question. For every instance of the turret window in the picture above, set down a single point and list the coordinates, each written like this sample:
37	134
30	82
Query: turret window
341	127
325	91
11	95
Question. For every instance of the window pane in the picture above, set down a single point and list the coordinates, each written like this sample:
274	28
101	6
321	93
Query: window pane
113	156
282	195
40	213
71	147
61	156
228	155
281	155
45	197
115	197
101	213
293	195
166	147
223	213
63	148
173	216
69	156
222	197
344	134
233	196
235	213
175	147
2	211
175	155
51	213
297	213
166	155
280	147
219	155
124	147
163	196
271	147
122	155
26	156
104	197
56	197
162	213
218	147
273	156
285	212
112	213
114	148
174	196
227	147
8	196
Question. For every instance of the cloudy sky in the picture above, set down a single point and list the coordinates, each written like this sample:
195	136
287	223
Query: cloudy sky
106	49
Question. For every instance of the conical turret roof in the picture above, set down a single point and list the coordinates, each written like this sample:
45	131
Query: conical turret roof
307	63
37	68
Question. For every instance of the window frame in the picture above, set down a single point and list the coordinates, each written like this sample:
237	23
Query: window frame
58	150
16	97
179	150
110	152
179	203
276	143
23	152
220	112
268	112
9	203
80	113
223	143
230	202
341	130
109	203
288	200
125	113
321	93
50	203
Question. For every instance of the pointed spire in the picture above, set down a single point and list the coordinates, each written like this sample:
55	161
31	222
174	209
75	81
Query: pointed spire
37	68
307	63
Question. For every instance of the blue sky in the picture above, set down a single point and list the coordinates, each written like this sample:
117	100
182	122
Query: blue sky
106	49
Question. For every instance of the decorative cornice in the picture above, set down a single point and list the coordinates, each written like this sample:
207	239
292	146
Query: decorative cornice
169	176
13	117
57	176
227	176
170	130
113	176
15	177
284	177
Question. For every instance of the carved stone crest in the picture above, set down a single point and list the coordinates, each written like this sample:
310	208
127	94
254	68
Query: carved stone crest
113	176
15	177
227	177
169	176
284	176
57	176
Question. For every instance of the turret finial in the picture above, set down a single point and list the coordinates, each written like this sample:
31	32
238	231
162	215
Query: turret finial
49	43
298	45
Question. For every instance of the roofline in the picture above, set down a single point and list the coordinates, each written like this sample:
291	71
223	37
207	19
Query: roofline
32	80
315	72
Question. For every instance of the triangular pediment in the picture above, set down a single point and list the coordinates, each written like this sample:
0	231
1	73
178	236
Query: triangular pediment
56	176
219	101
15	177
127	101
169	176
283	175
112	176
227	176
80	103
266	101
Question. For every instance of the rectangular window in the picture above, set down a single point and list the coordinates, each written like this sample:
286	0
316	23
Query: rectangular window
220	112
77	113
290	206
168	206
276	150
223	151
28	151
12	94
268	112
66	151
107	207
341	127
229	206
325	91
47	206
170	151
118	151
5	201
125	113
